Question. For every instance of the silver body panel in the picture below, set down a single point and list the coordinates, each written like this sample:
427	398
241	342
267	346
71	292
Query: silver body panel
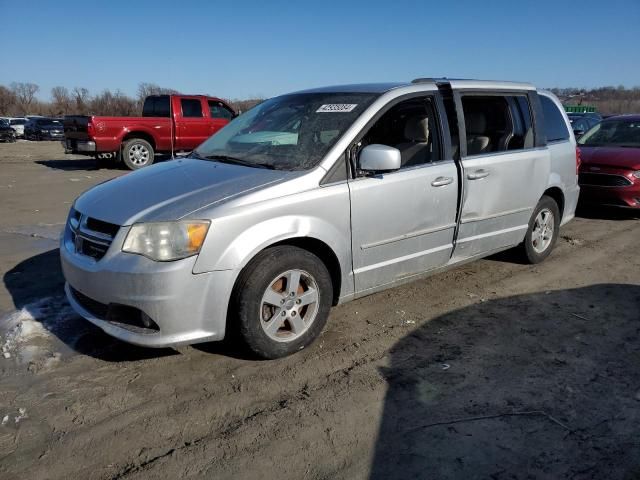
384	229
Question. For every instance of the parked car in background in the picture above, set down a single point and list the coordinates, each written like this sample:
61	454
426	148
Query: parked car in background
18	123
581	122
316	198
7	134
169	123
610	169
43	128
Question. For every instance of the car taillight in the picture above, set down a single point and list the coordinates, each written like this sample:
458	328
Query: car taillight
91	129
578	160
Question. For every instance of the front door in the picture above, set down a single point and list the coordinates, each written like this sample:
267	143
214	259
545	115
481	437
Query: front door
219	115
403	222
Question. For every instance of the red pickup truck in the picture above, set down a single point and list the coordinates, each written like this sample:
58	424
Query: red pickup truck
169	124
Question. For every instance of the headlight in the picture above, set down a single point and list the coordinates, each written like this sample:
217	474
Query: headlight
166	241
636	174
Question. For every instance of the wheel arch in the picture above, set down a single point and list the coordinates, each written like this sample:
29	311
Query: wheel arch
558	196
139	134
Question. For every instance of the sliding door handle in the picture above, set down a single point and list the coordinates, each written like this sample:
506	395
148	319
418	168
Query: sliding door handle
478	174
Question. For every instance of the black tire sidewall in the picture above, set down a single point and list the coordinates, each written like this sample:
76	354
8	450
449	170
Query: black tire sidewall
531	255
251	285
125	153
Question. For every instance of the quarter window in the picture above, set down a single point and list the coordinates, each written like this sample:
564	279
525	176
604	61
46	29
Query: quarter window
191	107
554	124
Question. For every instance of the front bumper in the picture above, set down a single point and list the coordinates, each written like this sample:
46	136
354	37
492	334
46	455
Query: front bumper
187	308
626	197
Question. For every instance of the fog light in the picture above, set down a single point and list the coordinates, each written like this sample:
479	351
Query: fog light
146	320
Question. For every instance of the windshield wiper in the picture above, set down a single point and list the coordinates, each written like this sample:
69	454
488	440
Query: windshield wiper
239	161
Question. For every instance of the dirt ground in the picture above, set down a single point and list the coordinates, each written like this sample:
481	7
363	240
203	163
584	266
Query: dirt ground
493	370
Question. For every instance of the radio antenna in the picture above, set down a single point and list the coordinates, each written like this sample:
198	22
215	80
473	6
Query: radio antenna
171	121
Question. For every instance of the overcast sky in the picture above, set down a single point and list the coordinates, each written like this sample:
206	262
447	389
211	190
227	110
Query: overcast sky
245	49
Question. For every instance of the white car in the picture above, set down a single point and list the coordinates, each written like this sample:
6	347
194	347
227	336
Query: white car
17	123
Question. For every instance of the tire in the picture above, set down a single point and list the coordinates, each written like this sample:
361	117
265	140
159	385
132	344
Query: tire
269	330
537	245
137	153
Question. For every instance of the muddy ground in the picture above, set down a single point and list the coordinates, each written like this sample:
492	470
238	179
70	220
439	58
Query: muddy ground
493	370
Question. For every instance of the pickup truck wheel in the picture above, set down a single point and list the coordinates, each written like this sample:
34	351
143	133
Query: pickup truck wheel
542	234
282	301
137	153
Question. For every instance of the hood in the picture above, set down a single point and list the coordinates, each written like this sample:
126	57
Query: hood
611	156
172	190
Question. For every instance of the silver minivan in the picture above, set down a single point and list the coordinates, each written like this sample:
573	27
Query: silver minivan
316	198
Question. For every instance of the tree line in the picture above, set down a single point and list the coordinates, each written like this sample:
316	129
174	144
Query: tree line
607	100
19	99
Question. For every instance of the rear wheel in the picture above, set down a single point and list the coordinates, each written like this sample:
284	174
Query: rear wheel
282	301
543	231
137	153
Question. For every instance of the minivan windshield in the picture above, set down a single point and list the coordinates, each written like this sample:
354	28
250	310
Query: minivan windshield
291	132
613	133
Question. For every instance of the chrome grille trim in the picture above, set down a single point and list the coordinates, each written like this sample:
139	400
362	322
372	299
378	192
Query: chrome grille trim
86	241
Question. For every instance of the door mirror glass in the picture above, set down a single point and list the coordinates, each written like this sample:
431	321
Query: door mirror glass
379	158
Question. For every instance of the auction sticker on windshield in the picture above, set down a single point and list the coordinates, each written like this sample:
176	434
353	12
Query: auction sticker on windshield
337	107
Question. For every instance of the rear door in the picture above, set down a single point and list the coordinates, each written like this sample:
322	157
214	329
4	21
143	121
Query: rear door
505	168
193	126
403	221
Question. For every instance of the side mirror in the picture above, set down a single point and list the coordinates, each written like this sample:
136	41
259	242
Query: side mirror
379	158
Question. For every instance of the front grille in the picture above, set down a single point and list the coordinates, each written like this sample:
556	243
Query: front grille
90	236
95	308
604	180
102	227
89	247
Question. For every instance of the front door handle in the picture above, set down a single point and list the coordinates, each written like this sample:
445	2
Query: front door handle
441	181
478	174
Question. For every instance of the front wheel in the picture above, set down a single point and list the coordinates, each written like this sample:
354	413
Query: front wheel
137	153
543	231
282	301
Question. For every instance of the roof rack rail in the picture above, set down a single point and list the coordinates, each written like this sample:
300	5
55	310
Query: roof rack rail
425	80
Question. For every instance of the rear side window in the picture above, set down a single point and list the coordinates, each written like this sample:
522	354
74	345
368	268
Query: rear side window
496	123
156	107
554	125
191	107
218	110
